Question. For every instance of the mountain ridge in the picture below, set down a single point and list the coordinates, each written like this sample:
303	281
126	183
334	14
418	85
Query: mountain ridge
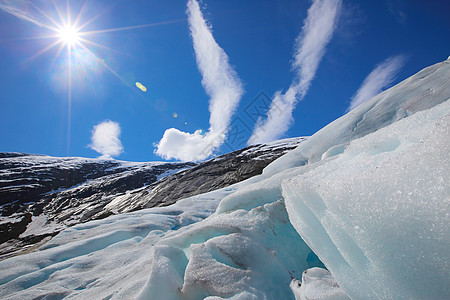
56	192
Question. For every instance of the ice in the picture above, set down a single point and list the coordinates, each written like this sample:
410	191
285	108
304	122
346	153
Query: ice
252	253
381	223
168	253
421	91
317	284
104	258
369	194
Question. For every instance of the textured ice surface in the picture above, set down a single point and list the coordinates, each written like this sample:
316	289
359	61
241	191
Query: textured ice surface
252	253
421	91
104	258
378	214
317	284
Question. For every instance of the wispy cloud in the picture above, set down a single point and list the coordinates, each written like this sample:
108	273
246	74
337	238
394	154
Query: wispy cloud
105	139
221	83
23	10
396	8
309	49
380	78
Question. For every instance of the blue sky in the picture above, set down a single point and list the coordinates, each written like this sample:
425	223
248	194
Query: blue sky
256	40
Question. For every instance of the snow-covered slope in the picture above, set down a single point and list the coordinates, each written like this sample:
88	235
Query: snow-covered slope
371	200
41	195
208	176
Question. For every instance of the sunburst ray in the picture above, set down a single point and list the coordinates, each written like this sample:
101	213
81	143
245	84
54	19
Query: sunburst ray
68	31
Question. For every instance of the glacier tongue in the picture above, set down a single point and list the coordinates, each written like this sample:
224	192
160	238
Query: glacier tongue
377	214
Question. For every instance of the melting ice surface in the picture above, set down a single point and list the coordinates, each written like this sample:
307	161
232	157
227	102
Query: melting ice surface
378	214
317	283
369	194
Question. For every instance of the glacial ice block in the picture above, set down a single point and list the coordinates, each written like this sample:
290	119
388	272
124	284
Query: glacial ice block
317	284
377	214
424	90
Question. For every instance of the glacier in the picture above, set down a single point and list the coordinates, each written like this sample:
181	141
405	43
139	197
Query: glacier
368	194
317	283
378	214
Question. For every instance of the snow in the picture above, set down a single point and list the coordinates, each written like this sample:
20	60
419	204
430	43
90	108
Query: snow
369	194
14	218
39	168
101	258
381	224
168	173
40	225
254	252
43	162
178	249
275	145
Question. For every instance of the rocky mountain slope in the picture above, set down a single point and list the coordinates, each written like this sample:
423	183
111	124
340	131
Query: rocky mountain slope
41	195
208	176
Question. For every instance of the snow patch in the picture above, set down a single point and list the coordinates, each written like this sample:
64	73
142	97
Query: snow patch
39	225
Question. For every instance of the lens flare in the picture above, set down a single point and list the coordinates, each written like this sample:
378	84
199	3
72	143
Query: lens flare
141	87
69	35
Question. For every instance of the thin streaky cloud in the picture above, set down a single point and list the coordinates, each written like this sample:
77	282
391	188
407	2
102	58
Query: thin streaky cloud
130	27
379	79
396	8
43	13
19	13
221	83
309	50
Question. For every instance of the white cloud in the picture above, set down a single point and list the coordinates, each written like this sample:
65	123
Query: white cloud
380	78
309	50
396	8
186	146
222	85
105	139
24	10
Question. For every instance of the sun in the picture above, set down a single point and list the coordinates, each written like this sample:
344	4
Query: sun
68	31
69	35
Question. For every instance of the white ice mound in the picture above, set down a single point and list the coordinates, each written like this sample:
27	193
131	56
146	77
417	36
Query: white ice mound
317	284
424	90
240	254
377	215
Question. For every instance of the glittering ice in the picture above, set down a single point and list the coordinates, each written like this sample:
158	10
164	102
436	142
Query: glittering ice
377	215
